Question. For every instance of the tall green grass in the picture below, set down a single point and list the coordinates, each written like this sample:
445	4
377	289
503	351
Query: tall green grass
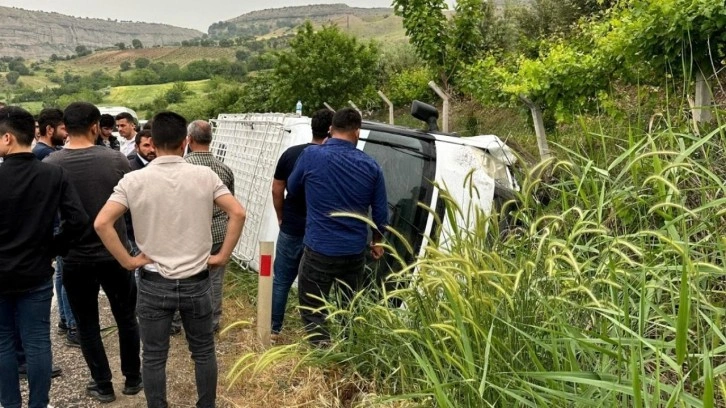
609	292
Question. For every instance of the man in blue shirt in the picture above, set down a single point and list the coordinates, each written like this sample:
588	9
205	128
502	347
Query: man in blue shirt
291	217
336	177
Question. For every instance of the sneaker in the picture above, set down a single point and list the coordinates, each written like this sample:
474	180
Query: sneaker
101	396
62	327
72	339
133	389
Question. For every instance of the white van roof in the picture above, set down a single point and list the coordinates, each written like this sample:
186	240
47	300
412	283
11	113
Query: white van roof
115	110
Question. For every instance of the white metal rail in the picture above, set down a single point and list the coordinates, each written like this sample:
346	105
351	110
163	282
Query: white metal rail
250	145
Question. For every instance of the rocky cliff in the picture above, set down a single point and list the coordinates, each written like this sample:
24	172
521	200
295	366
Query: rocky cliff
38	34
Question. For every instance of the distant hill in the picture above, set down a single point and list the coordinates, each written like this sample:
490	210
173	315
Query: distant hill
365	23
39	34
362	22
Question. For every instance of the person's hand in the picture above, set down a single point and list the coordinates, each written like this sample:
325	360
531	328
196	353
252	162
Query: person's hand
137	261
376	251
217	260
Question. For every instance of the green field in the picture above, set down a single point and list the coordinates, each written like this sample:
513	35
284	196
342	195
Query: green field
139	94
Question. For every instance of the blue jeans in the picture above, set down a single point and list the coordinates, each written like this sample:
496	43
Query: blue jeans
32	312
287	260
64	307
158	299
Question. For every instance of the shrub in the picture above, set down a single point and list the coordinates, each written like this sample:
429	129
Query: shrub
411	84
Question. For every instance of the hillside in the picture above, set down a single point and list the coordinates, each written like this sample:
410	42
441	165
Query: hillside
39	34
111	59
312	12
364	23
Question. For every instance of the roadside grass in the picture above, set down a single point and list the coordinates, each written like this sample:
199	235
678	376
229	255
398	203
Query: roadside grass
607	290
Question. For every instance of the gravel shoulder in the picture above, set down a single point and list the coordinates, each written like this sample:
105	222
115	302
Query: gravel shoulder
69	390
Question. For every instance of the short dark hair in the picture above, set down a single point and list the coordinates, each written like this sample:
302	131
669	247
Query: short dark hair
321	122
169	130
18	122
80	116
107	121
125	115
347	120
200	132
147	125
141	134
52	117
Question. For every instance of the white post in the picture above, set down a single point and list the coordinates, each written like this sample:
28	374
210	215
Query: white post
264	293
390	106
330	108
445	97
539	129
702	110
352	105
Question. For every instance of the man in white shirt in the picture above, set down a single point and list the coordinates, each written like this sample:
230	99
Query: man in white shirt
175	260
126	126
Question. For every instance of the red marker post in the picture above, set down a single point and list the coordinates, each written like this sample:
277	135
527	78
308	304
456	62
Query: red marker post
264	293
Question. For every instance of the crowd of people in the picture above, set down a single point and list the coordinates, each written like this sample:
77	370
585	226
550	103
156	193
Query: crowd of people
150	218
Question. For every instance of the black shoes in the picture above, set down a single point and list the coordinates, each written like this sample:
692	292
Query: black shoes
62	327
102	396
72	339
133	389
93	391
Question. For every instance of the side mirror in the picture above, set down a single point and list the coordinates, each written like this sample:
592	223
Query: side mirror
427	113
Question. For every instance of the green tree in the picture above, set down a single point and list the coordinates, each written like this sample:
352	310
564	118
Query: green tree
82	50
241	55
649	38
136	43
445	44
142	63
324	66
121	45
18	66
12	77
125	66
176	93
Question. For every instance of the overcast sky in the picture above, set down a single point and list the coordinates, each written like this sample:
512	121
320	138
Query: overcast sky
183	13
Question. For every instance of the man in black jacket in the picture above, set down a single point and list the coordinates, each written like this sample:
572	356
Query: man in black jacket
144	153
31	194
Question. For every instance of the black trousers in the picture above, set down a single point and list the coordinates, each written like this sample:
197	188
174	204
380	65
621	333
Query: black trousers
82	282
318	273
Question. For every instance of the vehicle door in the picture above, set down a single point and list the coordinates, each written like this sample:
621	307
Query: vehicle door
409	167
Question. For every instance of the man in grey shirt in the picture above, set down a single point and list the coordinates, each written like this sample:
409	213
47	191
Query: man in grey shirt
172	202
94	171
